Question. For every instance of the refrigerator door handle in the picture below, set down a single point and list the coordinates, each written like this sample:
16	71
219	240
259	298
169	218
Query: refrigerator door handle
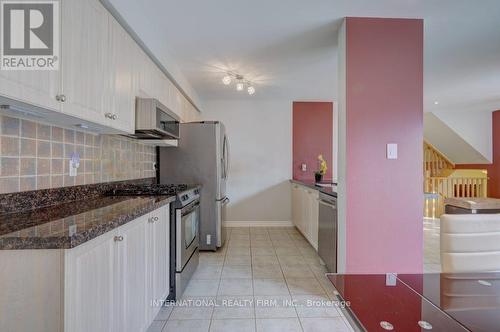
228	158
225	157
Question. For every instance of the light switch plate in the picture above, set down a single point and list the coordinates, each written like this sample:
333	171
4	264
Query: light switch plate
390	279
303	167
392	151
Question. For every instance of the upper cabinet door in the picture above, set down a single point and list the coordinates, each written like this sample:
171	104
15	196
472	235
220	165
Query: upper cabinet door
85	51
145	73
36	87
122	78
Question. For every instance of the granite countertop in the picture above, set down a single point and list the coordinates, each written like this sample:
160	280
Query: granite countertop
329	190
70	224
474	203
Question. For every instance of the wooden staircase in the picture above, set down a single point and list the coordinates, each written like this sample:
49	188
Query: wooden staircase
442	180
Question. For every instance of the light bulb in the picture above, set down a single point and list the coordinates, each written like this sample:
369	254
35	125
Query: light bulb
239	86
251	90
226	80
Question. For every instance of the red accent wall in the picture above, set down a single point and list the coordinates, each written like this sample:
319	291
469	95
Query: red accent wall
494	168
312	135
384	104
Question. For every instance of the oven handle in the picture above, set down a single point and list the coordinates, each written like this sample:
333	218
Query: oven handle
333	206
189	208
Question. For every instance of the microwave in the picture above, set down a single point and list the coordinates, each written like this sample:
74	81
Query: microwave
153	120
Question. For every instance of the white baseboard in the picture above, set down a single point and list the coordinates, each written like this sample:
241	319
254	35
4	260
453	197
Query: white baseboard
260	223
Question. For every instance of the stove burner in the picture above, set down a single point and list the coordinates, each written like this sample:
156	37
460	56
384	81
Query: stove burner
185	193
152	189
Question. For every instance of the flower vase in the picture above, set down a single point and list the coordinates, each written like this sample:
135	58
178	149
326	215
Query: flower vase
318	177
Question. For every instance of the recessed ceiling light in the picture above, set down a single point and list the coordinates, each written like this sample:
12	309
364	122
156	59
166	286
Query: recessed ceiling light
239	86
436	102
251	90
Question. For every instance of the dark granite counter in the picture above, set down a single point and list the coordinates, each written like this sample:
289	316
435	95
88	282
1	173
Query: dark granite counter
70	224
332	191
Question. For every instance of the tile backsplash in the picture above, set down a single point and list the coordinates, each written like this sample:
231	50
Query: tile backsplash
36	156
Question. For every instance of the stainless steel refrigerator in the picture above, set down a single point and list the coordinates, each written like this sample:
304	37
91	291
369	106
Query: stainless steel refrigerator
202	157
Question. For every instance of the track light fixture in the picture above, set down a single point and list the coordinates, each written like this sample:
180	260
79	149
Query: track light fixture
241	82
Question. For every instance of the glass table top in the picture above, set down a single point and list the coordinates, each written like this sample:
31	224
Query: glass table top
421	302
473	299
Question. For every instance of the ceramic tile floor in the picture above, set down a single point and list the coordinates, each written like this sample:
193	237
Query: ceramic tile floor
432	260
263	279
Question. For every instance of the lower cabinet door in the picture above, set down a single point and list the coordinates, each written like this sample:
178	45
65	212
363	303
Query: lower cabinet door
295	204
89	293
159	257
113	281
131	281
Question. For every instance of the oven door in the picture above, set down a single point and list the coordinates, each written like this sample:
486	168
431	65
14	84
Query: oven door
187	225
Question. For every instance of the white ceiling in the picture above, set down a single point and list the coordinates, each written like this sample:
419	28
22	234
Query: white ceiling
289	47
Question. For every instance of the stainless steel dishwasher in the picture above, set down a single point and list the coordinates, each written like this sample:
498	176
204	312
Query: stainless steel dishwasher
327	233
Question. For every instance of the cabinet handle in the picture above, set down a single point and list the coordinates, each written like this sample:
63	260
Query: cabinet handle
153	219
118	238
108	115
61	98
114	116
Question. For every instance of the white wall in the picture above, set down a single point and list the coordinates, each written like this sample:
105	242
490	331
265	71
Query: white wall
475	127
261	157
451	143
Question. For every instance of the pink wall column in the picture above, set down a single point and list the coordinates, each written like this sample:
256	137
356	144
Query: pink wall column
312	135
384	104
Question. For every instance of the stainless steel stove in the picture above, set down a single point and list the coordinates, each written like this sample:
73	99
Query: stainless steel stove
184	229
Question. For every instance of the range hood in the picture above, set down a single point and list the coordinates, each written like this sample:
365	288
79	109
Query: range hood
154	122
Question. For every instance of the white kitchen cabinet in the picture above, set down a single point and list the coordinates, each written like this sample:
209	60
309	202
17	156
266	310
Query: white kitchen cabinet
158	259
145	73
113	281
305	212
102	71
123	80
37	87
163	91
132	276
297	203
85	70
89	292
312	217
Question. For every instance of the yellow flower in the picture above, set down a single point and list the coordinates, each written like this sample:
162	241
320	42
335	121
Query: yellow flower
322	165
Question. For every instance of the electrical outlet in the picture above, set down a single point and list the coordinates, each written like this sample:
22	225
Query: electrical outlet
209	239
72	168
74	163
